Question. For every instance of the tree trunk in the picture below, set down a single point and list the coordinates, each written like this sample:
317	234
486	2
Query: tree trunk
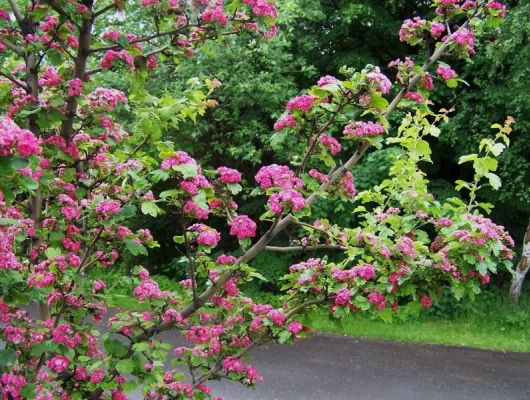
521	270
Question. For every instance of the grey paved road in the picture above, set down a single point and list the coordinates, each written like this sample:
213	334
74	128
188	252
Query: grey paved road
332	367
344	368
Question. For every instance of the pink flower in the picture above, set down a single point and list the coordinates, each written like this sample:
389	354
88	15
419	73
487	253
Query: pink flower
415	96
437	29
279	176
228	175
98	285
181	158
446	73
302	103
496	8
406	245
106	208
58	364
426	302
331	144
379	82
343	297
347	186
327	80
318	175
411	28
75	87
444	222
276	316
243	227
378	299
288	198
284	122
295	327
362	129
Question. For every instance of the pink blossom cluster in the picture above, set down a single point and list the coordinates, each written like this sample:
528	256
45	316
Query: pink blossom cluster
410	28
365	271
378	299
231	364
445	73
465	38
347	186
75	87
131	165
243	227
192	186
149	289
406	246
192	209
379	82
106	99
262	8
343	297
206	236
437	29
278	176
111	35
180	158
331	144
302	103
112	55
361	129
295	327
107	208
414	96
11	135
426	302
284	122
228	175
318	175
287	199
50	78
215	13
496	8
327	80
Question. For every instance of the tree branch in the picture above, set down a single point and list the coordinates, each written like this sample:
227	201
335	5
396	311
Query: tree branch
304	248
16	11
18	83
11	46
103	10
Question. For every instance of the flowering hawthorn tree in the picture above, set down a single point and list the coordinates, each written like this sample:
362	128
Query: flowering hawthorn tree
71	179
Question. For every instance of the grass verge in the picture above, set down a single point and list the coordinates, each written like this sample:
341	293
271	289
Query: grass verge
456	332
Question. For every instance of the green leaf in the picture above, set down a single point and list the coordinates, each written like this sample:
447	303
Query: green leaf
378	101
28	391
9	221
7	357
494	180
129	386
148	207
187	170
115	347
125	366
469	157
452	83
27	183
135	248
141	346
234	188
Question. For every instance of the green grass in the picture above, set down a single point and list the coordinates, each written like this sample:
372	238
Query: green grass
456	332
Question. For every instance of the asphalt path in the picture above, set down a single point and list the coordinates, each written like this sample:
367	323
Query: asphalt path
333	367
